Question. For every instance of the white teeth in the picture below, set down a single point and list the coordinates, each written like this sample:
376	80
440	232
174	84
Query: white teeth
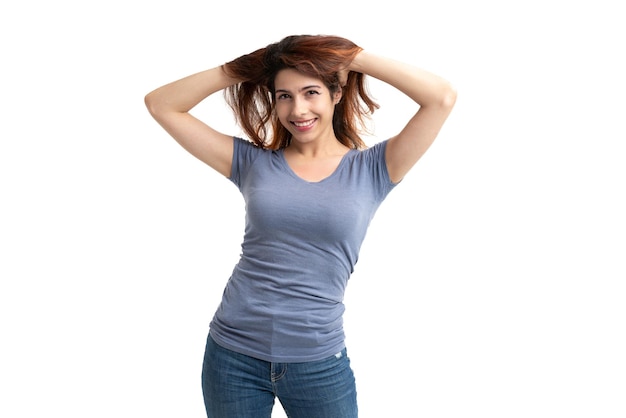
303	124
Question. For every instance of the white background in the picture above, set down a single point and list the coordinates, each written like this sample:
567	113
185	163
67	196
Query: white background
491	281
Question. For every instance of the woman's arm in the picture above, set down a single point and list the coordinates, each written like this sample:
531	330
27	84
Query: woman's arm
170	106
434	95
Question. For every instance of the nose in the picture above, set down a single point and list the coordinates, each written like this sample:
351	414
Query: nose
299	107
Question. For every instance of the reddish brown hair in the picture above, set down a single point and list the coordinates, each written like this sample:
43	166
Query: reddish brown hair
319	56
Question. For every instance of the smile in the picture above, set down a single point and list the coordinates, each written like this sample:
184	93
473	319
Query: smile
304	124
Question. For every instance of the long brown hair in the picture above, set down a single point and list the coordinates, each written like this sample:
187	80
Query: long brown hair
319	56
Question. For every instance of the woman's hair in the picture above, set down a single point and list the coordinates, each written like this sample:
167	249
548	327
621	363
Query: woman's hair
318	56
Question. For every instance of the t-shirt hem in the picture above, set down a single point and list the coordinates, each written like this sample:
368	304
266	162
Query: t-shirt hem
276	359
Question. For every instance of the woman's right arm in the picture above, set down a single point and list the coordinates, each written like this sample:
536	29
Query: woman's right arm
170	106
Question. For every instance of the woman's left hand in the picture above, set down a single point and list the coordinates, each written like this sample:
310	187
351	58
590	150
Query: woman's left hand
343	77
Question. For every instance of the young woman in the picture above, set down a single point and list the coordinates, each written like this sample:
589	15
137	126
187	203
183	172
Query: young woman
311	188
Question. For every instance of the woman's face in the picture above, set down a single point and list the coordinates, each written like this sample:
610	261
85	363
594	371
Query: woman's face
304	105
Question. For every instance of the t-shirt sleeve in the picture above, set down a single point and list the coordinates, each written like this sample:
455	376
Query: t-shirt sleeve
375	159
244	153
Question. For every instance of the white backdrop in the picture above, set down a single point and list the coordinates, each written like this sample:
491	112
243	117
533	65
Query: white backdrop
491	281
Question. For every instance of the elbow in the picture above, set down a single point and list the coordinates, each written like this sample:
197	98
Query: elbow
156	104
442	97
448	97
151	103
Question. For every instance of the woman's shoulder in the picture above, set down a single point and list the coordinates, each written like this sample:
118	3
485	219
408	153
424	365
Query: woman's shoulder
374	151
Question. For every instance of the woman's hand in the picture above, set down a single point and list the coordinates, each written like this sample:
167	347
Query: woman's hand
343	77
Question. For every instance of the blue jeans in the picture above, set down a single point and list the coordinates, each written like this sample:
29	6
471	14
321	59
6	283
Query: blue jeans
238	386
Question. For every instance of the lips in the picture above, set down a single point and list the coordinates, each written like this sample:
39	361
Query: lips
303	124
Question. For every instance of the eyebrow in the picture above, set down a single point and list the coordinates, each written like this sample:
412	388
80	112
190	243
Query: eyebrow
313	86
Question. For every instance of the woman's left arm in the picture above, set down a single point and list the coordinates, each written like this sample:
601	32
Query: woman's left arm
434	95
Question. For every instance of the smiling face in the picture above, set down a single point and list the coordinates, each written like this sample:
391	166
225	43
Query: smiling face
305	106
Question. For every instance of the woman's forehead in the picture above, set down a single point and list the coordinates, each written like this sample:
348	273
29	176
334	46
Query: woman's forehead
293	80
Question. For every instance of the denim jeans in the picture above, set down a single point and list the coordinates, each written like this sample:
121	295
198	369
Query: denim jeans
238	386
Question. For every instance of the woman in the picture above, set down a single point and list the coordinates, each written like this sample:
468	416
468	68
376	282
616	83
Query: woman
311	188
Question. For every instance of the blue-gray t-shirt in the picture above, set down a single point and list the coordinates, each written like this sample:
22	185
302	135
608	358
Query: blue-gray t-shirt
284	299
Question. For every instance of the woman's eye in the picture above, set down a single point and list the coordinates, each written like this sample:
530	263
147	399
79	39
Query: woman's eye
283	96
311	92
